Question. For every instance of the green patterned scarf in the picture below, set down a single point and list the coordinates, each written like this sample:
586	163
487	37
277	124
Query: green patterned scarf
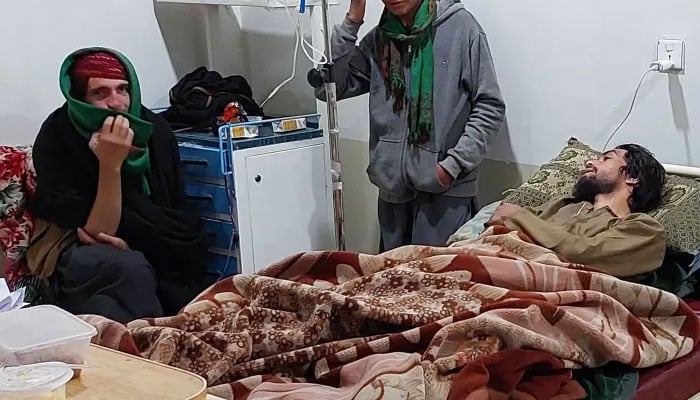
88	119
420	44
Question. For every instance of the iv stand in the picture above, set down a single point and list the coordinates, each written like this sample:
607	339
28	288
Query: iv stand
325	76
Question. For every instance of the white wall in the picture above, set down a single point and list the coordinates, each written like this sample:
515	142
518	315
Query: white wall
268	39
38	34
569	68
258	43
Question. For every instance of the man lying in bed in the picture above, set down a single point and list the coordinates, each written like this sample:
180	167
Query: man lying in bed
603	224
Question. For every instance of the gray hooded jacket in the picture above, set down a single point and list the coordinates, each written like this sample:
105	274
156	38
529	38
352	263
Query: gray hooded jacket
467	103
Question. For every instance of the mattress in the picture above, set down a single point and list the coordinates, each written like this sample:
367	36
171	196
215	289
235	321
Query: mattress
677	380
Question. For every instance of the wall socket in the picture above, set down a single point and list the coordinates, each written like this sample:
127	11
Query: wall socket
672	49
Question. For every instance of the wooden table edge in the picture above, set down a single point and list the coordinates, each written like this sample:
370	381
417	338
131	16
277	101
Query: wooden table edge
201	395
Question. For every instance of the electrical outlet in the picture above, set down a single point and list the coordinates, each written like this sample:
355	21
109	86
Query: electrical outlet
673	50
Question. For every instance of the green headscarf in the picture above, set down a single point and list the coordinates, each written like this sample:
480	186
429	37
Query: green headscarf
88	119
420	40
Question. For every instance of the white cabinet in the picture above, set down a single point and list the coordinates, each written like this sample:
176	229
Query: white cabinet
284	201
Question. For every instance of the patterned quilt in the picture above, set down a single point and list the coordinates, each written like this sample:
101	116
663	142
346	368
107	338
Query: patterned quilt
489	318
17	183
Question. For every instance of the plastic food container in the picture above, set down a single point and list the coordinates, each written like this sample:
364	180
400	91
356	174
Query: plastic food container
34	382
43	333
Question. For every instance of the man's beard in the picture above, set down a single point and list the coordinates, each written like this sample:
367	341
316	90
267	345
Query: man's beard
586	189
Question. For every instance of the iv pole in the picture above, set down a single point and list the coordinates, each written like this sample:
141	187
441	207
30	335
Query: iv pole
325	76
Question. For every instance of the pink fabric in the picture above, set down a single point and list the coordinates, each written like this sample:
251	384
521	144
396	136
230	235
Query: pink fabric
358	379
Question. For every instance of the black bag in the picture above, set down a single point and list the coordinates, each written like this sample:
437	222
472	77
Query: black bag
201	96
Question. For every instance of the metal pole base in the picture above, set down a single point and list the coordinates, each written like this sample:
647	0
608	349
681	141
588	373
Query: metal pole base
325	76
336	173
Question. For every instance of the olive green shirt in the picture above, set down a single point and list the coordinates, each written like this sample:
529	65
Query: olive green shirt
619	246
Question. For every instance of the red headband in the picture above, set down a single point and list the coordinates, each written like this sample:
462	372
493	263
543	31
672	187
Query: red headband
95	65
98	65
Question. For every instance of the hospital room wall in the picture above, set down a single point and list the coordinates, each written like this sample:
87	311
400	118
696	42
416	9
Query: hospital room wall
164	41
569	68
38	34
254	42
566	68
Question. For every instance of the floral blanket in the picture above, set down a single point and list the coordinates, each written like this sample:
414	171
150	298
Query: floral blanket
494	317
17	184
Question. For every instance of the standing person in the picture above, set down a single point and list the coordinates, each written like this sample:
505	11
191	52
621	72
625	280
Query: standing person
434	108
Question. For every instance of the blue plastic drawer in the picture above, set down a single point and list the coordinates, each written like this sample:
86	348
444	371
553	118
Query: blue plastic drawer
206	198
222	231
198	160
221	263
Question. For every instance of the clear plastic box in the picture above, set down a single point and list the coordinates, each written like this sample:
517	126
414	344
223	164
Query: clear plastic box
43	333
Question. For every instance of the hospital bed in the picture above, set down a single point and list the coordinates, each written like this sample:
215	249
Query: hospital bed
674	380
